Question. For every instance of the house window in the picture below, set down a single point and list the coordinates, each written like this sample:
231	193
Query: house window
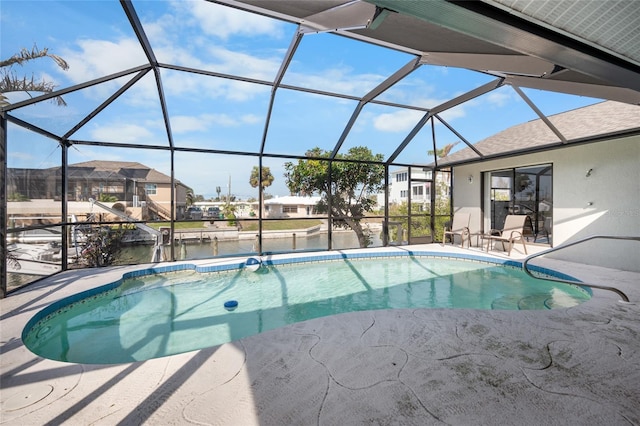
417	190
402	177
150	188
289	209
403	193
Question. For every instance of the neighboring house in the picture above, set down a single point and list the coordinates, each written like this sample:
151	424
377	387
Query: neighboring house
416	187
291	206
401	185
587	184
133	184
242	208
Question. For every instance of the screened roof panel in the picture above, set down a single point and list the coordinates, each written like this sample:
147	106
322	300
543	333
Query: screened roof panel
381	128
432	141
341	65
215	113
465	48
220	39
488	114
301	121
429	86
26	149
554	103
61	120
417	150
93	37
134	118
50	117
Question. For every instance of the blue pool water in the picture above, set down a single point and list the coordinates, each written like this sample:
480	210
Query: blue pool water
173	312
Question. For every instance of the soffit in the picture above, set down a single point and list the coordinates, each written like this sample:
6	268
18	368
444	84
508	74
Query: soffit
613	26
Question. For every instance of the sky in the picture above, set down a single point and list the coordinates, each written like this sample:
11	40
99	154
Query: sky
96	40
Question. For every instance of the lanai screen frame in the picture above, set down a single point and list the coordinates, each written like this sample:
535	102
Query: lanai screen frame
154	66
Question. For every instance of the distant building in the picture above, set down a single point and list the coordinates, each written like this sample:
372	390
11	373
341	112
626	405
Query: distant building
291	206
130	183
417	186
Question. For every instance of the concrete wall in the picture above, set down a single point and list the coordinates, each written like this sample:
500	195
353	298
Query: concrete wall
613	189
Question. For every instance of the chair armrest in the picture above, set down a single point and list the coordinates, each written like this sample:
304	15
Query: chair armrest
518	233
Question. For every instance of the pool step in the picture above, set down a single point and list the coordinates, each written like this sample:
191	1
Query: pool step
536	301
523	303
506	302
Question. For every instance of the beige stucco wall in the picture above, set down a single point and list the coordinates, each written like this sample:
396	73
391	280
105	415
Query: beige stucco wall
276	211
162	195
163	198
613	188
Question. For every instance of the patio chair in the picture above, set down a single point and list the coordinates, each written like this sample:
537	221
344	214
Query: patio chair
460	226
512	232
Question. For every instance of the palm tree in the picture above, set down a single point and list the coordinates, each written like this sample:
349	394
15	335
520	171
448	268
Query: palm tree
444	151
190	198
11	82
267	179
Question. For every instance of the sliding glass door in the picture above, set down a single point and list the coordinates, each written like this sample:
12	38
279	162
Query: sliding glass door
524	191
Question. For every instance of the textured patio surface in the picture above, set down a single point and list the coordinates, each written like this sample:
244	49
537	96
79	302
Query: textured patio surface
576	366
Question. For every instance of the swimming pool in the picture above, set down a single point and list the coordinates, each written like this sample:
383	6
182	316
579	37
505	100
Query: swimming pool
157	312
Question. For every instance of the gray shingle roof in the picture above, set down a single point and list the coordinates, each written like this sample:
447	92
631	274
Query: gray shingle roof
128	169
576	125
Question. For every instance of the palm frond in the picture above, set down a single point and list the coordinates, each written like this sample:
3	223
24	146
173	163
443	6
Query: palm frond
10	82
25	55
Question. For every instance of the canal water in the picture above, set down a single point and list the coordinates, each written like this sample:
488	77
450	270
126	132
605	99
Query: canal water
206	249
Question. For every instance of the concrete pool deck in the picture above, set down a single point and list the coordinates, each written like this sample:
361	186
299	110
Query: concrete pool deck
579	366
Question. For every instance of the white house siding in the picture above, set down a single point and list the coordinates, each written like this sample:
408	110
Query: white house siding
291	206
613	188
398	190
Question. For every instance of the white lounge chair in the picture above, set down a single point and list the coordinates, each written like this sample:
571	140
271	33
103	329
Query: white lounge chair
459	226
512	232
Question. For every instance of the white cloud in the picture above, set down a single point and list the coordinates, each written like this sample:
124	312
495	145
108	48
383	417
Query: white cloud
400	121
186	84
202	122
337	80
125	133
226	21
100	58
84	153
405	120
454	113
231	62
97	58
184	124
251	119
20	156
500	97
